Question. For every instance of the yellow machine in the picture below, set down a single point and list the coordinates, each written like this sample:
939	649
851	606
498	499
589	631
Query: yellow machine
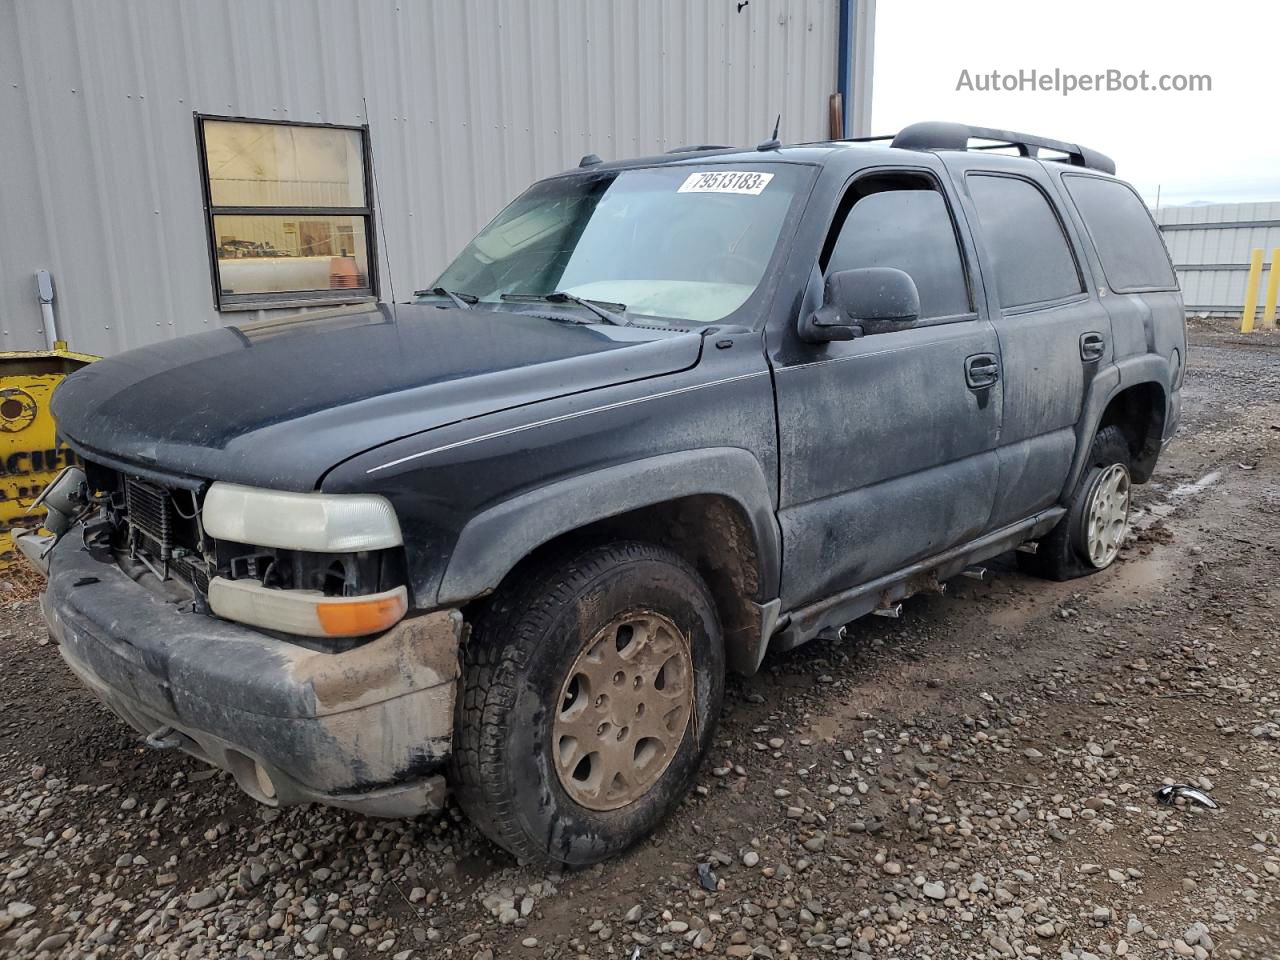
30	453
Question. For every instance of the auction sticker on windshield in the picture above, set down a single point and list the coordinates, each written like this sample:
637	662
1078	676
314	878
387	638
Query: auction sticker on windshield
726	181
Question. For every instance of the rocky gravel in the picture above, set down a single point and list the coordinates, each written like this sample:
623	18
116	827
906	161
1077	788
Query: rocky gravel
973	780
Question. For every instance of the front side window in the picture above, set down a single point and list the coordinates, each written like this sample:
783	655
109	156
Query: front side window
1032	260
670	242
901	221
289	215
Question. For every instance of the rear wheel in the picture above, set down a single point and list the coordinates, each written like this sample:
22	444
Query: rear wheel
1088	538
1106	516
591	689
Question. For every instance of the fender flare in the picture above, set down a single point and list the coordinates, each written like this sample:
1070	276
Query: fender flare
1106	385
496	539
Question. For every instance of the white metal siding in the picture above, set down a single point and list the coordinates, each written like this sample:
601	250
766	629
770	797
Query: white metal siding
468	101
1213	259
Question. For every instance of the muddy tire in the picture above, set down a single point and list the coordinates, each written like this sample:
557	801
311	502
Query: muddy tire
1089	536
591	691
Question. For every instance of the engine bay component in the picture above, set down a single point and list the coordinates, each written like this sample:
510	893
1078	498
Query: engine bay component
62	500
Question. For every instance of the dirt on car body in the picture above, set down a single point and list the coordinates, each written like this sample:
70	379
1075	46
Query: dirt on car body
973	779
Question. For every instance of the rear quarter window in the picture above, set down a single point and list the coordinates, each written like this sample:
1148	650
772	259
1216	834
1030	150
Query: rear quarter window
1132	253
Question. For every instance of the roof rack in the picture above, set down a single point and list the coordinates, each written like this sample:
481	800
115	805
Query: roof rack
937	135
698	148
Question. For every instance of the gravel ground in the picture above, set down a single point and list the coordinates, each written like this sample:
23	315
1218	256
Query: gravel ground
972	780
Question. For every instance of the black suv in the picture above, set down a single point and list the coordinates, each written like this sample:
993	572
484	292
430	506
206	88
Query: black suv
660	417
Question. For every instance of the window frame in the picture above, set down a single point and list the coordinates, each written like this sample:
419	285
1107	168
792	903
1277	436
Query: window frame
290	298
1034	305
830	236
1084	221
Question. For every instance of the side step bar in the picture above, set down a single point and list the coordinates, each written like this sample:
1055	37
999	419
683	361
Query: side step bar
841	608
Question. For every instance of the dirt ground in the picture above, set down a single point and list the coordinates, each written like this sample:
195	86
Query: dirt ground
972	780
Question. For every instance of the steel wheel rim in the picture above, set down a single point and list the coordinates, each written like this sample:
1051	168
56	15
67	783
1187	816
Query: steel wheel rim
1107	519
623	710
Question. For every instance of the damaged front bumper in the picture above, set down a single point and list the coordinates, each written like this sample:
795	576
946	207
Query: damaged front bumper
368	729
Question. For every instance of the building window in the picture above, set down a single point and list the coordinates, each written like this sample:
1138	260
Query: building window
290	220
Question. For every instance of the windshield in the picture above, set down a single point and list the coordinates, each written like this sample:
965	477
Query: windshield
678	242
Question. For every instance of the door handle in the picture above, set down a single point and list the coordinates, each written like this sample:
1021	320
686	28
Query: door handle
981	370
1092	346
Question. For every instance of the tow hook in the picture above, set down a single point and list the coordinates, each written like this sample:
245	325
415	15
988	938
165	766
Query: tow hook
164	738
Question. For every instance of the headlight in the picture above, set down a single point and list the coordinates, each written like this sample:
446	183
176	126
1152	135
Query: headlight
319	522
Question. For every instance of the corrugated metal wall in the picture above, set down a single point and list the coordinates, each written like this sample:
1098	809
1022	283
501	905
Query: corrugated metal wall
468	101
1211	245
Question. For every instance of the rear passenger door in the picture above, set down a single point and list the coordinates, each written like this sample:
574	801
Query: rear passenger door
1054	335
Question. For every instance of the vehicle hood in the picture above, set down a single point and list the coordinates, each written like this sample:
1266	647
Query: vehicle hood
278	402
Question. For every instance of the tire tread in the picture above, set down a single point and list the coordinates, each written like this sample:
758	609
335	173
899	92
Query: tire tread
495	655
1057	558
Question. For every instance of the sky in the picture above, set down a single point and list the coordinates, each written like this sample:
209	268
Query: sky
1215	145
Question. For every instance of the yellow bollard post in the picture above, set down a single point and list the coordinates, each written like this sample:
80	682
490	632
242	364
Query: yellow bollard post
1273	291
1251	292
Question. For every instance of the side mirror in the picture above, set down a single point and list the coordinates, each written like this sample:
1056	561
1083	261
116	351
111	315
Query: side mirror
860	302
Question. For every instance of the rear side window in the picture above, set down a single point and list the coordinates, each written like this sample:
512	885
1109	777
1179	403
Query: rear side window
1132	254
1032	259
910	229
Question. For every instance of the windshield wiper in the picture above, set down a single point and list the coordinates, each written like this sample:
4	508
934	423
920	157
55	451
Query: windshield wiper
462	301
559	296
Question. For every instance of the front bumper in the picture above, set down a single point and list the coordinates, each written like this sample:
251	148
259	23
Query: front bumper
368	729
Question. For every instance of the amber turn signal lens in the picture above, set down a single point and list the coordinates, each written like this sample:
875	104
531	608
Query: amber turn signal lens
357	618
306	612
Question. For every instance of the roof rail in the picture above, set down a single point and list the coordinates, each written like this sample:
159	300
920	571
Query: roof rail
937	135
698	148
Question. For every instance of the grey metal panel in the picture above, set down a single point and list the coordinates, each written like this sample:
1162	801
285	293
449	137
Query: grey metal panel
468	101
1211	245
862	68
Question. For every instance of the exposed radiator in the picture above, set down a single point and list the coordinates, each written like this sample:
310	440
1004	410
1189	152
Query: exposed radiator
149	512
195	572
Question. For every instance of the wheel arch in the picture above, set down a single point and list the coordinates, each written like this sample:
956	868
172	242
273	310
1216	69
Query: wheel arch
1133	395
1139	412
713	507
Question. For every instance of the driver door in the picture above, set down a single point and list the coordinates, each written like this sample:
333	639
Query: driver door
888	442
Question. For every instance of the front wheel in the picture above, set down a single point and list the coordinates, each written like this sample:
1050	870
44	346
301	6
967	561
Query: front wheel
1088	538
591	689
